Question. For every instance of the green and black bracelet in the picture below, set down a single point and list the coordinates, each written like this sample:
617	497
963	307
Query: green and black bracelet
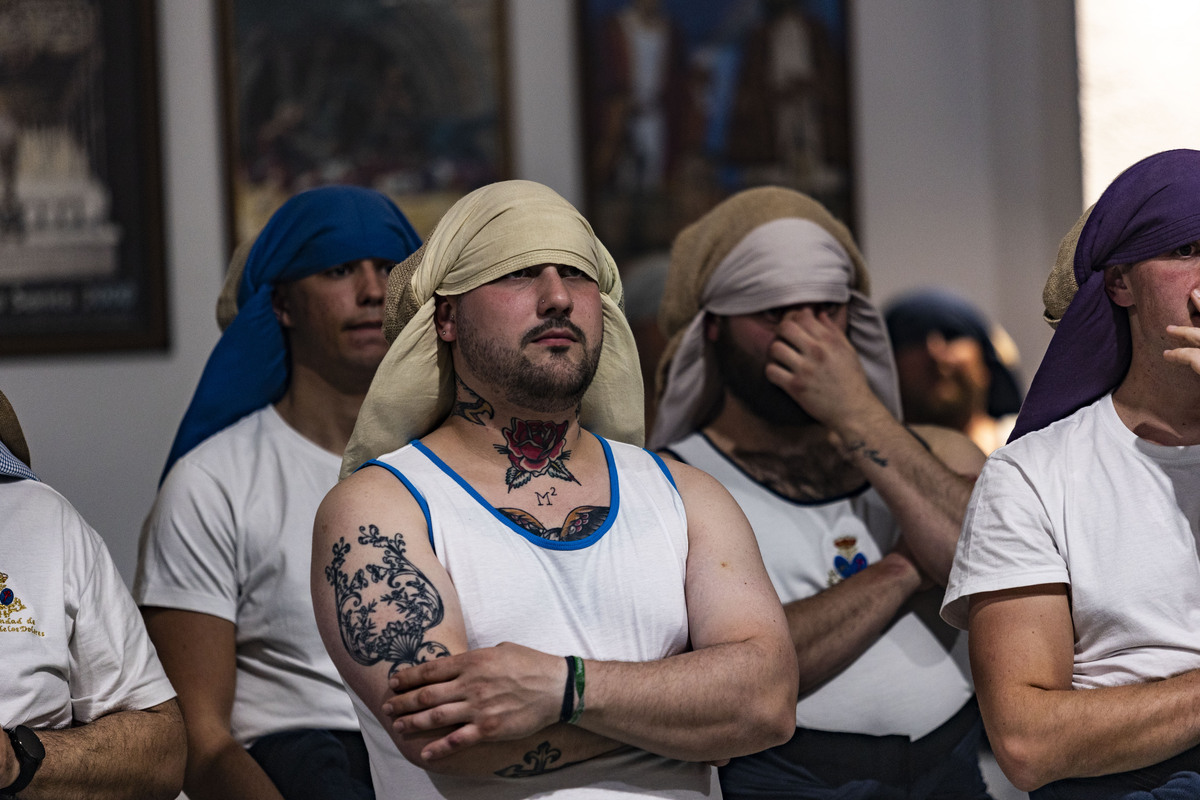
572	704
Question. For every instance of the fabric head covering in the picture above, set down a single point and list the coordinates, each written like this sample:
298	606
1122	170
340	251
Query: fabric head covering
1150	208
759	249
14	452
311	232
491	232
913	317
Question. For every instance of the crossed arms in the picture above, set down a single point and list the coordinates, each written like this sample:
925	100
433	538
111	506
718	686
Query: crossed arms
483	711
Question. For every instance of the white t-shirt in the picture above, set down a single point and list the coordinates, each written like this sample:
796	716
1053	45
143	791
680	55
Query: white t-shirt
230	534
617	594
1087	503
916	675
73	644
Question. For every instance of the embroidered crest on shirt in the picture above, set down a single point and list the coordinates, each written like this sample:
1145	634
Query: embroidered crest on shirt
847	561
11	607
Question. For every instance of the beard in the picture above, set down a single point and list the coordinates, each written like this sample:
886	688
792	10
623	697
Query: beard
745	379
949	403
555	386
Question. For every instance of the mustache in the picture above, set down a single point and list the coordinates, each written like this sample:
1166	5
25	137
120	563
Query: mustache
557	323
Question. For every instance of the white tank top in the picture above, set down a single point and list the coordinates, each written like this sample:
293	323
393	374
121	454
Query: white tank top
617	595
916	675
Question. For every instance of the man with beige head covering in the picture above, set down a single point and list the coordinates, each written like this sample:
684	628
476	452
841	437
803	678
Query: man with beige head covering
85	707
1078	573
778	380
523	601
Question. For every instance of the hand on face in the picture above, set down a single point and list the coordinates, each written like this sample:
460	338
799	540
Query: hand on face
812	360
1188	353
491	694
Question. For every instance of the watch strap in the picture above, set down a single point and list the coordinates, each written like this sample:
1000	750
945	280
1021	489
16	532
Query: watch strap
29	752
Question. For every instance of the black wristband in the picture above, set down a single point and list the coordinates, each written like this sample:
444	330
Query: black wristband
568	703
29	751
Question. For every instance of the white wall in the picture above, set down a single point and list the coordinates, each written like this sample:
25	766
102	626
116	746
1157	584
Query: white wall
967	140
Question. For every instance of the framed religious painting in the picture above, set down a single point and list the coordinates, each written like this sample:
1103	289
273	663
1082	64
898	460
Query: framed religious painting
81	229
688	101
403	96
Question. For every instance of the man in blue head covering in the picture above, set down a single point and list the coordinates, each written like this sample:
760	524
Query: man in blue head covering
949	367
1078	569
223	565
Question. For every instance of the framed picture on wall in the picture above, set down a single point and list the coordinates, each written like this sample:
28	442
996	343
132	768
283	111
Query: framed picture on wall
81	241
688	101
403	96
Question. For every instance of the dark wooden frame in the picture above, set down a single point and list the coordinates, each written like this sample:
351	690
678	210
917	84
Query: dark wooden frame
60	294
429	56
637	222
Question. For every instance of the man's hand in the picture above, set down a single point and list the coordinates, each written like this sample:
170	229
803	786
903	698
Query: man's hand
10	768
812	360
1188	353
491	694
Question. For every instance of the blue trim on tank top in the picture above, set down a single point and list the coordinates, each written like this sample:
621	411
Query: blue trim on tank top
663	466
614	491
420	498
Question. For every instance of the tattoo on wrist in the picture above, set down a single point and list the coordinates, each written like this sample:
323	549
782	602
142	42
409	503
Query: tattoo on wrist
537	761
535	448
397	583
469	405
860	447
581	523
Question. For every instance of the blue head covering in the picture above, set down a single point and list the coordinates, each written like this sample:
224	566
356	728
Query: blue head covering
913	317
311	232
1149	209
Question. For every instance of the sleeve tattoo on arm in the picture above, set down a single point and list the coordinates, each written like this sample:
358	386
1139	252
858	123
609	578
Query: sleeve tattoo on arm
397	583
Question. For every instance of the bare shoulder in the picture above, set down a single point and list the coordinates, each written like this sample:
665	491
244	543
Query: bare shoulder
370	497
953	447
695	485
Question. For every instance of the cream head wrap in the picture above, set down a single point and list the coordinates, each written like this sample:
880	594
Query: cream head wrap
759	249
489	233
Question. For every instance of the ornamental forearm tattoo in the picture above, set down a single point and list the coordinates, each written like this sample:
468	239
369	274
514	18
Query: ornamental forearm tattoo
397	583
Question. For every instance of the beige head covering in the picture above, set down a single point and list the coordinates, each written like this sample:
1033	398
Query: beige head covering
759	249
489	233
1062	285
11	434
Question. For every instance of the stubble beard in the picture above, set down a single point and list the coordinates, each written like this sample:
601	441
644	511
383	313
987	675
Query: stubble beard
550	388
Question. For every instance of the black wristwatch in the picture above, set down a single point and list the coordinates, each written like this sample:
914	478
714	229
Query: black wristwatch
29	750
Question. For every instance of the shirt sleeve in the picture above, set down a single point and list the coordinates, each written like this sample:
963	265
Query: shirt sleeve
112	663
188	554
1007	539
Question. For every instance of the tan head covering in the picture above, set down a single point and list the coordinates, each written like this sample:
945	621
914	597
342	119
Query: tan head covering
489	233
759	249
11	435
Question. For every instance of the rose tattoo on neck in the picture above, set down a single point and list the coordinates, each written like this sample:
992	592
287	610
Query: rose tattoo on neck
534	448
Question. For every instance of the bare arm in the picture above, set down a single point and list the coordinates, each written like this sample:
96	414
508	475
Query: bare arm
198	652
814	362
1042	730
126	755
734	693
371	517
832	628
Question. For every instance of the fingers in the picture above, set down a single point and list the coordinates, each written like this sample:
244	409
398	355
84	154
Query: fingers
1188	354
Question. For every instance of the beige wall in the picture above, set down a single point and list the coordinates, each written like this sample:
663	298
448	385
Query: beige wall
967	141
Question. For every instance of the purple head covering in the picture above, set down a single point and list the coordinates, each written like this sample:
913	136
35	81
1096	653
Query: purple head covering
1150	208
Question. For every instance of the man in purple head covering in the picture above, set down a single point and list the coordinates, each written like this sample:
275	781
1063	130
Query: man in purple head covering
1078	569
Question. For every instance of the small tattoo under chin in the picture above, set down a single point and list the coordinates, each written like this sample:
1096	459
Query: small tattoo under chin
469	405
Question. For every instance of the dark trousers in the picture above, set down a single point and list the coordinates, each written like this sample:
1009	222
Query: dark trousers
316	764
822	765
1177	778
